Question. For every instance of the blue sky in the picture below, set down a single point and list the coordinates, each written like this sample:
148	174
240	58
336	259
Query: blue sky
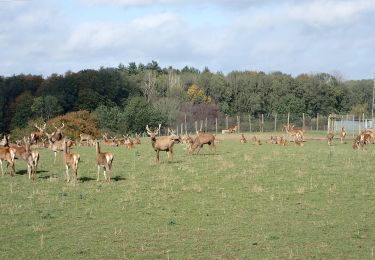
292	36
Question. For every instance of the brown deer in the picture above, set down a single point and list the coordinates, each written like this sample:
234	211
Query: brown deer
128	142
330	137
71	160
137	139
58	134
85	137
104	160
202	139
293	131
281	141
163	143
8	154
342	135
298	139
110	141
36	137
57	146
243	139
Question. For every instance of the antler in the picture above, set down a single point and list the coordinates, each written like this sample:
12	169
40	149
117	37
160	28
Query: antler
41	129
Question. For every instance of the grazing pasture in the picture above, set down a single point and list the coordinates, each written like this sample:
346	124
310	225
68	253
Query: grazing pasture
243	202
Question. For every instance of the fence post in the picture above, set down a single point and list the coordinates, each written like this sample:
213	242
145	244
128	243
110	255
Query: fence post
216	125
238	124
205	125
262	123
353	126
275	122
226	122
185	125
196	126
250	122
303	120
317	121
288	118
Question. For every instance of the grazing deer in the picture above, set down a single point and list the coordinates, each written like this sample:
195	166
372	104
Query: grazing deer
163	143
342	135
71	160
202	139
128	142
8	154
103	160
330	136
85	137
233	129
243	139
36	137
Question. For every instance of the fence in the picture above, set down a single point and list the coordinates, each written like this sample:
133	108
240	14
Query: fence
274	123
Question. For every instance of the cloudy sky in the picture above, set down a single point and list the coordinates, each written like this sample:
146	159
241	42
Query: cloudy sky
292	36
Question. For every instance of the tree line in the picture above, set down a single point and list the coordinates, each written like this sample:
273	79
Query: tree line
125	98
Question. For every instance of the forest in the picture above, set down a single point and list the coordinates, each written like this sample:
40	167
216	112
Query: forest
124	99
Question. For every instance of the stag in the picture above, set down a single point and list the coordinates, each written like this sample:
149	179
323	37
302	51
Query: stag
293	131
163	143
57	146
36	137
58	134
202	139
110	141
128	141
103	160
71	160
137	139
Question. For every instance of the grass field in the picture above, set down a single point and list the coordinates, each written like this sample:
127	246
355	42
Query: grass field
243	202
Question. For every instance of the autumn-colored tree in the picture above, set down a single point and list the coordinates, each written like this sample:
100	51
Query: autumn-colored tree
197	95
76	123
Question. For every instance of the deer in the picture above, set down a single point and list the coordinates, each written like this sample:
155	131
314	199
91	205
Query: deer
137	139
129	142
330	137
36	137
281	141
293	131
233	129
272	140
202	139
298	139
163	143
110	141
71	160
8	154
57	146
104	160
342	135
58	134
85	137
25	153
243	139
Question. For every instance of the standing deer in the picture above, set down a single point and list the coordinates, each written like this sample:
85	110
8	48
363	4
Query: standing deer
103	160
58	134
8	154
85	137
71	160
57	146
36	137
202	139
137	139
129	142
342	135
163	143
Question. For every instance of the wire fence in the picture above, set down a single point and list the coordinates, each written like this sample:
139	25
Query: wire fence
273	123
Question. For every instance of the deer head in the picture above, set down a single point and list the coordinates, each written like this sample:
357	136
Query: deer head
154	133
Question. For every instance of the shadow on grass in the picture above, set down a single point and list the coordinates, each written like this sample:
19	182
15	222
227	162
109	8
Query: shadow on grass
23	172
85	178
118	178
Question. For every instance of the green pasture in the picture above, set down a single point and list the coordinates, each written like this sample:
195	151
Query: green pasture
243	202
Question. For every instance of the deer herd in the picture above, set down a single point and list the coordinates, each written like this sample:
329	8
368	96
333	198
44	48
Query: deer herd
58	142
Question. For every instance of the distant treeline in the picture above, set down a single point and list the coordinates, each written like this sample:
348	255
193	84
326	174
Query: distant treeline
169	93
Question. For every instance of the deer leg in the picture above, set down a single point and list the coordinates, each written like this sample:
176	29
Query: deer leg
105	174
67	173
97	179
2	171
157	156
55	157
29	170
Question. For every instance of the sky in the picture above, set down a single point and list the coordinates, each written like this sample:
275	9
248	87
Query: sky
292	36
